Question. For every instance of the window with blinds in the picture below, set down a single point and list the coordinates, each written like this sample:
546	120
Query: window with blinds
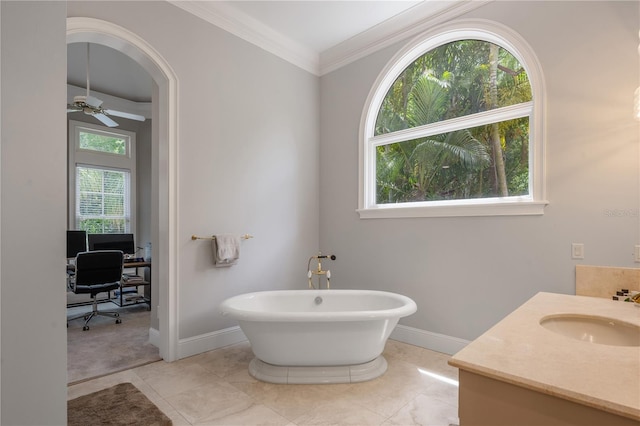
101	179
102	200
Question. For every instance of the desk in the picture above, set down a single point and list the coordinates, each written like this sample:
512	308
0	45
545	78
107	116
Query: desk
128	292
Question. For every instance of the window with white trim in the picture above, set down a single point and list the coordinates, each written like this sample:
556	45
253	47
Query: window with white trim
101	179
454	127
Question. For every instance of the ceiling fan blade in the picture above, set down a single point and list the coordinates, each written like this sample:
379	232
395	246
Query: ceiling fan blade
125	115
93	101
105	120
73	108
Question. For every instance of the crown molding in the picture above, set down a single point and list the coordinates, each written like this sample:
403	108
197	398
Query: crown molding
407	24
249	29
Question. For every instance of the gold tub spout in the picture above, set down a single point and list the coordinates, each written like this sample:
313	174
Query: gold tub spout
319	272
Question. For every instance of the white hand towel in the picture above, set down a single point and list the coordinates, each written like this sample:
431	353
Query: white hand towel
226	250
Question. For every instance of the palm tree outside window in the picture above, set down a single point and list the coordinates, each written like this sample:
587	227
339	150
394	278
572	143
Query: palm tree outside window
453	127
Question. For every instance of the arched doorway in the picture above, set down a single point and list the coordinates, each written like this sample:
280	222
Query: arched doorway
164	158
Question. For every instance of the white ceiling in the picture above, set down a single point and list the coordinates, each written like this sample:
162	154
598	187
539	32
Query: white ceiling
318	36
110	72
320	25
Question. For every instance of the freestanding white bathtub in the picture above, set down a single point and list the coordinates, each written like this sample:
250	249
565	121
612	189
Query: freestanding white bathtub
318	336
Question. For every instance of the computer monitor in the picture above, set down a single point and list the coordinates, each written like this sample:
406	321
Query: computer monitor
76	243
122	242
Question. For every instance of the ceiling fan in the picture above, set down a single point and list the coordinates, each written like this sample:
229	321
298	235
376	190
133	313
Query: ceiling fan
91	105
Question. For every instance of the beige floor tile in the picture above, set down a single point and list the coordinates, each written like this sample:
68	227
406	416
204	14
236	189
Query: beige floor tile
423	358
228	361
403	351
445	392
256	414
388	393
215	388
414	377
241	377
157	368
385	403
291	401
210	400
160	402
426	411
437	362
179	378
339	413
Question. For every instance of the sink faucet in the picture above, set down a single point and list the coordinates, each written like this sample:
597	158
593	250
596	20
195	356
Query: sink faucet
319	271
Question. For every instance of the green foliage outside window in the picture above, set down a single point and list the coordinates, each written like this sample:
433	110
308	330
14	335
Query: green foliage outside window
454	80
102	143
103	226
102	200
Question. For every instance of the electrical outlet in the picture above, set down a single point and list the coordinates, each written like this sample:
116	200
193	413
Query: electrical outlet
577	251
636	254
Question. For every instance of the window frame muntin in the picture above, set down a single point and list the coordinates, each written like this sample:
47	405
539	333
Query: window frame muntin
483	118
476	29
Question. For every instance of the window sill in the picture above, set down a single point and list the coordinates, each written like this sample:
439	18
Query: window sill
467	208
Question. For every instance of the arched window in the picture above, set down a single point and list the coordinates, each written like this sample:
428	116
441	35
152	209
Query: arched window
454	127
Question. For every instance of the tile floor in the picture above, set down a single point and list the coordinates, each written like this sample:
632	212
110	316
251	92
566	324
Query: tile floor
214	388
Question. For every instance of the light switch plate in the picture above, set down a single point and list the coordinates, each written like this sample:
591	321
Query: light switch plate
577	251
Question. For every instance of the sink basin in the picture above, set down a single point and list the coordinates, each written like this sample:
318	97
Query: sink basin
593	329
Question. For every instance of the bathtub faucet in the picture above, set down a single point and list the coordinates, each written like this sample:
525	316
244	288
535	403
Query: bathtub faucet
319	272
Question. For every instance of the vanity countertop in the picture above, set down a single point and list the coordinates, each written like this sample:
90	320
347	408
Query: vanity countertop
518	350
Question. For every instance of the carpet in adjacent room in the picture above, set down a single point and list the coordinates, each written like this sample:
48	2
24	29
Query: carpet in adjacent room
108	347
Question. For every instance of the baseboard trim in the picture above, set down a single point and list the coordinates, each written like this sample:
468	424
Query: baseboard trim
210	341
154	337
232	335
428	340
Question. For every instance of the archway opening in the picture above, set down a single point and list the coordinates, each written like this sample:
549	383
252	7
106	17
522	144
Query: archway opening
163	169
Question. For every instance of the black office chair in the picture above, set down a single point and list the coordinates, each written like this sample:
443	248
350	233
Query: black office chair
97	272
76	243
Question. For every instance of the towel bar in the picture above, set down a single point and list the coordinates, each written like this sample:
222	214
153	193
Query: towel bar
243	237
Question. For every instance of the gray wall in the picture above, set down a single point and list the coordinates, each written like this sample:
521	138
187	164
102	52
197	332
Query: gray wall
247	157
465	274
33	213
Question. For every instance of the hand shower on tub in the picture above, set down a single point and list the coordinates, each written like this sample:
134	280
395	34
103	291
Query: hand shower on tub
319	271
